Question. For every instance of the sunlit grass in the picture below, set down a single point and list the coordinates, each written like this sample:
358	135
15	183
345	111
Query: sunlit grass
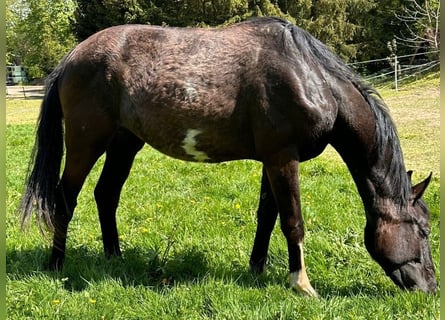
416	111
186	232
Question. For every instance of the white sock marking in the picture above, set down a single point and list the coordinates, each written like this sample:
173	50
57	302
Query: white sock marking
299	280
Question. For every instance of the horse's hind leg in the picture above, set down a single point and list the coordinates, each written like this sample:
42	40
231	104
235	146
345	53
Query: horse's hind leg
119	159
266	216
79	162
87	134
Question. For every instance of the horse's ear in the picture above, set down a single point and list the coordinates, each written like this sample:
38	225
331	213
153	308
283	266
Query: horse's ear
419	189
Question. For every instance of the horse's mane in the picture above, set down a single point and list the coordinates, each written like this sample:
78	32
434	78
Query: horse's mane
386	139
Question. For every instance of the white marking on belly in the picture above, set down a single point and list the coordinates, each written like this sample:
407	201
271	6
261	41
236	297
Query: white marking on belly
189	145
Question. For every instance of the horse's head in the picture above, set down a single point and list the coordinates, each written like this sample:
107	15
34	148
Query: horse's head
401	247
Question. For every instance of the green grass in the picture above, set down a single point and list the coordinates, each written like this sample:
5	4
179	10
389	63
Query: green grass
187	229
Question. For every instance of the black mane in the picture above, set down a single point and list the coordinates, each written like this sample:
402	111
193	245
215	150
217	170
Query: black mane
386	139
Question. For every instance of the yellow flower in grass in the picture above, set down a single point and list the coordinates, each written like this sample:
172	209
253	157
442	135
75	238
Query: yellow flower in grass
92	301
237	206
56	301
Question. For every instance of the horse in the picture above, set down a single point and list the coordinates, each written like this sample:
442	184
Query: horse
262	89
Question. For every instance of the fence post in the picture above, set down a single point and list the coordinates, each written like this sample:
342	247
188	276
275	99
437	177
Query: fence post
396	69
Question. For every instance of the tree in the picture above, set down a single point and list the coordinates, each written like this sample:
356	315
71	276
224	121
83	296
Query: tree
378	27
335	22
93	15
338	23
421	19
14	14
39	33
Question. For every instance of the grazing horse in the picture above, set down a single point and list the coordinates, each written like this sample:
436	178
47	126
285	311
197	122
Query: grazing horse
263	90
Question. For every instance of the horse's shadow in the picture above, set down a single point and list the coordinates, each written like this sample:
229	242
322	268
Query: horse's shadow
136	267
148	268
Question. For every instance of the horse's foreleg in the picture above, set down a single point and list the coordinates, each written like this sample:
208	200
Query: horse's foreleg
119	159
285	186
266	216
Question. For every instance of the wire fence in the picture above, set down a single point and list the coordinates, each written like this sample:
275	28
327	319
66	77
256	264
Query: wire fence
400	68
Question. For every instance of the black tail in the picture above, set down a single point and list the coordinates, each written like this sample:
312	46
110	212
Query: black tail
44	167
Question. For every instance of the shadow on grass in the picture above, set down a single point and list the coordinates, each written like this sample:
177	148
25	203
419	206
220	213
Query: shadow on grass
136	267
146	267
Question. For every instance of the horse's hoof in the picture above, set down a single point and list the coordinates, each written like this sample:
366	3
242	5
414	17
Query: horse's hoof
110	254
55	264
257	268
307	292
300	283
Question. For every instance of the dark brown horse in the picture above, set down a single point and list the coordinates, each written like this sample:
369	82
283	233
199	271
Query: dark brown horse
263	90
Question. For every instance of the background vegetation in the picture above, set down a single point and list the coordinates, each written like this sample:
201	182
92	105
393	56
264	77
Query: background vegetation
40	32
187	229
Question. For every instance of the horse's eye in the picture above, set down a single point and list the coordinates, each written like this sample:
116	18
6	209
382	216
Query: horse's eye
424	232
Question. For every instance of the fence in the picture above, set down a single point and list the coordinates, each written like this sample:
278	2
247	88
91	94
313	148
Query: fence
399	71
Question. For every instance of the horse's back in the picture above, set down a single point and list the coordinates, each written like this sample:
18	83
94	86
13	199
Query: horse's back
196	94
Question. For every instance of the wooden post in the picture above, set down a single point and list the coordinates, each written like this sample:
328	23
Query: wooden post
396	69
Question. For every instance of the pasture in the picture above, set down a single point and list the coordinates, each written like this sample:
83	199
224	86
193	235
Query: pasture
187	229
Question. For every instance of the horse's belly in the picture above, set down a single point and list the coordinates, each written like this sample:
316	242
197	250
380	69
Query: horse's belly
196	142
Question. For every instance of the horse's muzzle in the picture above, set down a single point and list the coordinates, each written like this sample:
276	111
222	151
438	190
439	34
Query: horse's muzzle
414	276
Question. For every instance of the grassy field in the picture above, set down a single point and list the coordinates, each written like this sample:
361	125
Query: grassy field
187	229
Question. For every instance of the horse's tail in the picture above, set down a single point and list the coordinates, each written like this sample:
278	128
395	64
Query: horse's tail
44	166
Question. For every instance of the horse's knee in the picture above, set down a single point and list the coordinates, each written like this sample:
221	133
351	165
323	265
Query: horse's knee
294	232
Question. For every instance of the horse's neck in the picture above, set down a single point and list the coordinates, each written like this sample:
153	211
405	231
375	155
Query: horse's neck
379	174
